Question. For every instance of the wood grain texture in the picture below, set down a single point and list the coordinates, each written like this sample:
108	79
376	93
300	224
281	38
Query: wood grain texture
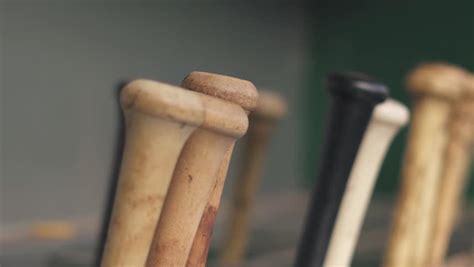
159	119
455	172
386	121
197	168
435	87
270	108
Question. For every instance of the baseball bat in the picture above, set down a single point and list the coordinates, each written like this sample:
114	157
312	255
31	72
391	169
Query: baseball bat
196	171
159	119
434	87
200	246
354	97
270	109
386	121
455	173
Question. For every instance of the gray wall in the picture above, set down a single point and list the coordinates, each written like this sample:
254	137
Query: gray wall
60	65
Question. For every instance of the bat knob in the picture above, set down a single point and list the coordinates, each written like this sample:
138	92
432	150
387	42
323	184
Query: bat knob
437	79
238	91
357	85
392	112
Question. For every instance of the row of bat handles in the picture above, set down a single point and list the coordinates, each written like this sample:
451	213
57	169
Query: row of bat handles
179	142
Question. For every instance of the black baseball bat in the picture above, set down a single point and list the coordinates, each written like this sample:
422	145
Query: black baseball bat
353	98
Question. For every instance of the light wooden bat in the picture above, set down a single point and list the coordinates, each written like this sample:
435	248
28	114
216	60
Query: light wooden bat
435	87
159	119
387	119
200	247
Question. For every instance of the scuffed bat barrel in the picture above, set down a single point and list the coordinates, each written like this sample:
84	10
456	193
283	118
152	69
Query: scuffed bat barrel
354	97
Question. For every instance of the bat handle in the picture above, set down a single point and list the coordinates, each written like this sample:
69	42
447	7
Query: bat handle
159	119
386	121
244	94
435	87
354	97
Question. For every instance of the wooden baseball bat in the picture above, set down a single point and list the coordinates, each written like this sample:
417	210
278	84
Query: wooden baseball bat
159	119
434	86
455	172
270	109
196	171
205	83
354	97
386	121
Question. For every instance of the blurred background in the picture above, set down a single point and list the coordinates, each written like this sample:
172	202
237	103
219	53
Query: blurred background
61	62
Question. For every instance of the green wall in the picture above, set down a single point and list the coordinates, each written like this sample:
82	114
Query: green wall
384	39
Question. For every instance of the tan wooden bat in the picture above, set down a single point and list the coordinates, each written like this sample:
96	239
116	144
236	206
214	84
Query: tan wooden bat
159	119
270	109
435	87
387	119
455	172
201	158
203	82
